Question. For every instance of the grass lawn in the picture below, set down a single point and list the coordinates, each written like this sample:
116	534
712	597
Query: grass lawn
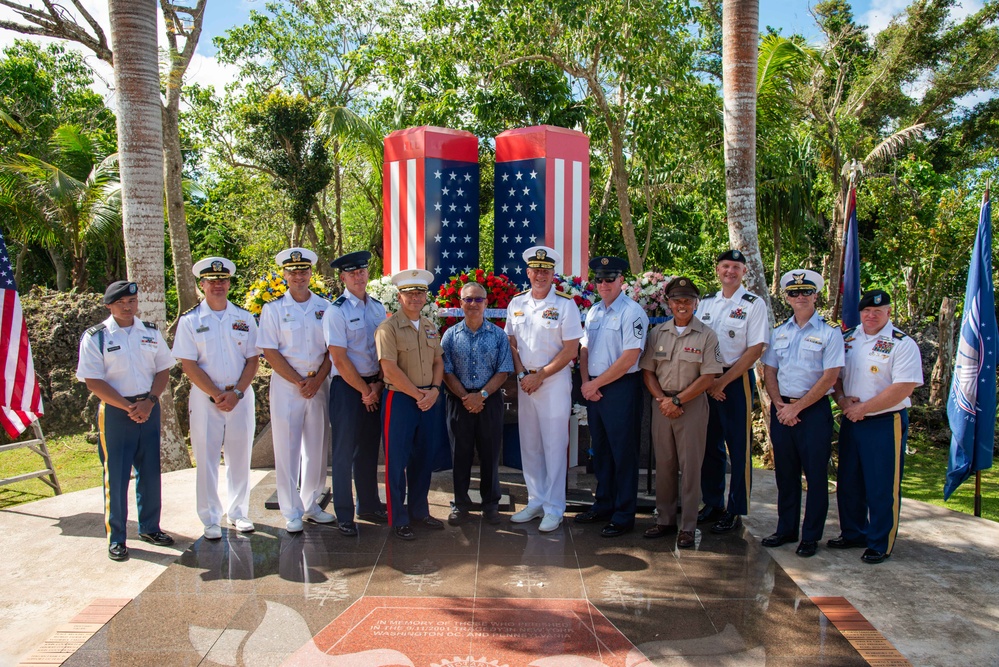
76	465
925	472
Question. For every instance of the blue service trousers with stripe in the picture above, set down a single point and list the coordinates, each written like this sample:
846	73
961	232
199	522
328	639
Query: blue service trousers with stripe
408	434
125	444
729	422
356	435
804	447
615	432
869	488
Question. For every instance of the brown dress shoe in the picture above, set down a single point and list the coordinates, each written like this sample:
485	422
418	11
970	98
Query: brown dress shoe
659	530
686	539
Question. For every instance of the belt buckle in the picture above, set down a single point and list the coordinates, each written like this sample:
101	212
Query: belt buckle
230	387
310	374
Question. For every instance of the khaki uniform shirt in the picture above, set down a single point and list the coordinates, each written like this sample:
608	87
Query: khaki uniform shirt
679	359
412	350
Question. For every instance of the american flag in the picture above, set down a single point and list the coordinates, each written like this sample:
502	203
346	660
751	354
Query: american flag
431	203
542	196
19	395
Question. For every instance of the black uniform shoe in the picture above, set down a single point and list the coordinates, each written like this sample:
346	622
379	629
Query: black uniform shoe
710	514
347	529
381	516
807	549
777	539
118	551
659	530
844	543
492	517
404	533
430	522
159	538
615	530
873	557
589	516
458	517
727	523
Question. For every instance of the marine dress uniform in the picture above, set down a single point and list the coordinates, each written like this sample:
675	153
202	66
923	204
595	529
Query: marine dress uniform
679	361
740	322
414	347
128	359
298	425
540	329
615	419
799	357
872	450
221	343
350	324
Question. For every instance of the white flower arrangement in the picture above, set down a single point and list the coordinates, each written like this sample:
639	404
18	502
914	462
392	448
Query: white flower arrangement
579	412
649	291
383	290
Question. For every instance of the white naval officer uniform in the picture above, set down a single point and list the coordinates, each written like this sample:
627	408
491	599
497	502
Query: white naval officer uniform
299	426
220	343
540	327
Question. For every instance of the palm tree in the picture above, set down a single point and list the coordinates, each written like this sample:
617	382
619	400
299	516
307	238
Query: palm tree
65	207
140	141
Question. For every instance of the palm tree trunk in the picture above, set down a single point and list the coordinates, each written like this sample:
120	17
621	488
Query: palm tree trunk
62	280
740	46
140	142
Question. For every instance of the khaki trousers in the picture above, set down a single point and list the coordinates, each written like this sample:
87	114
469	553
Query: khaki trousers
679	445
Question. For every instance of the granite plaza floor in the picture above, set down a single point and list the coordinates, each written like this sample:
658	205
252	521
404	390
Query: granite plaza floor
472	595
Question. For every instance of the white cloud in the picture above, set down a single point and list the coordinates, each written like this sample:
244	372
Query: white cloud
881	12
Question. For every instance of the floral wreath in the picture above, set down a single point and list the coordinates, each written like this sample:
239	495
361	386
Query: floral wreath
582	291
499	291
383	290
272	285
649	291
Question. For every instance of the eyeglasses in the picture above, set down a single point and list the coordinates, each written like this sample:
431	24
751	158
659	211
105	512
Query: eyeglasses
800	292
472	299
605	280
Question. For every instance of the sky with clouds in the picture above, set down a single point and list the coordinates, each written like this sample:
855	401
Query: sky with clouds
791	16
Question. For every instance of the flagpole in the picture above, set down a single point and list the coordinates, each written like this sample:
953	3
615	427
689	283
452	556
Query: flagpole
978	473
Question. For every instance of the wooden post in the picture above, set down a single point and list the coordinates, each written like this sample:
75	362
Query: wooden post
940	377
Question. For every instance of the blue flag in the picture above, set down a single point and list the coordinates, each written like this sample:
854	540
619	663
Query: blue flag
849	312
971	405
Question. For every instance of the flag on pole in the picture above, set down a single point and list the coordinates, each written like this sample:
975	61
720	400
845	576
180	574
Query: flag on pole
542	197
431	202
850	286
971	405
20	399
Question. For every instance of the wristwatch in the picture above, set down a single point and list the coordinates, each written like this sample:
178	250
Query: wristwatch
484	394
152	398
677	402
522	374
238	393
436	386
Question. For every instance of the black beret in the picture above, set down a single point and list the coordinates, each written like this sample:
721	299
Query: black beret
119	289
352	261
875	297
682	286
732	256
608	267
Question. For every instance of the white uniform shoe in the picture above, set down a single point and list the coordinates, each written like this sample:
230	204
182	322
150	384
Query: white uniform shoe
242	525
550	522
527	514
294	526
319	516
213	532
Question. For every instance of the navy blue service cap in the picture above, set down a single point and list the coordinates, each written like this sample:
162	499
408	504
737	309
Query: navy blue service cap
732	255
874	297
682	287
608	267
119	289
352	261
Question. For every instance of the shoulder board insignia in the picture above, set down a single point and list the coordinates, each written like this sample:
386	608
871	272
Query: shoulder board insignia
849	332
191	309
244	310
524	292
780	324
97	328
340	301
150	325
563	294
374	299
751	298
709	296
898	335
